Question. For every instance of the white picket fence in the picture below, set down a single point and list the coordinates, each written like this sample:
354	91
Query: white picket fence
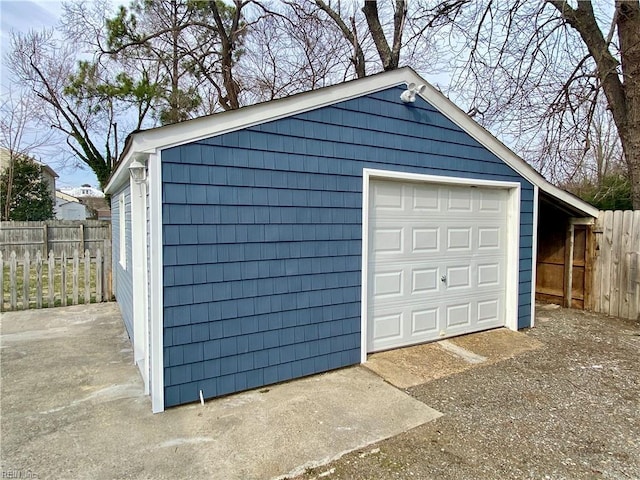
47	282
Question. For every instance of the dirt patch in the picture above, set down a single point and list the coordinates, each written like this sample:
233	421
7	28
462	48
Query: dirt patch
413	366
568	409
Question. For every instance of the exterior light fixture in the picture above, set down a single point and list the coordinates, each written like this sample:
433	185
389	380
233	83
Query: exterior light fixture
409	95
138	171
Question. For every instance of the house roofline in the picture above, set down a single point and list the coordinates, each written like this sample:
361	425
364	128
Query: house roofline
155	139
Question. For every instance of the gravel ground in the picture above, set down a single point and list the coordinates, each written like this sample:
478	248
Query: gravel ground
569	410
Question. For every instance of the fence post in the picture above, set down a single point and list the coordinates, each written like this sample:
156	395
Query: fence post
98	276
2	281
45	238
38	279
52	273
13	284
63	279
26	280
74	276
81	247
87	277
106	271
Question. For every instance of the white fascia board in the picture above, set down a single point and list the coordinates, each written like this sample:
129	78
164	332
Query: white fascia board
155	139
486	139
150	141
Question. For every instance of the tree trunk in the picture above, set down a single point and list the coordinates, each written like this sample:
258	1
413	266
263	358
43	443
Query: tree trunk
622	91
628	22
351	35
230	101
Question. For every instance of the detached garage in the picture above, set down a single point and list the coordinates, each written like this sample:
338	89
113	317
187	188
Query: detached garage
297	236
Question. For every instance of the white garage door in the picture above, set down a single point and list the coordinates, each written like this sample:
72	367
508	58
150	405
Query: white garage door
436	261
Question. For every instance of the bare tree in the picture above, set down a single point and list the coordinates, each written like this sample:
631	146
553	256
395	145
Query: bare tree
547	64
291	50
20	136
45	67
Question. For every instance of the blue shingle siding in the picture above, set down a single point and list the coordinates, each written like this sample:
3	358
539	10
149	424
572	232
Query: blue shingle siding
123	277
262	235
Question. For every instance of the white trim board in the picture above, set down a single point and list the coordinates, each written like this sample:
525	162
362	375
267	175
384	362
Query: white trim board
138	278
155	139
513	242
156	328
534	254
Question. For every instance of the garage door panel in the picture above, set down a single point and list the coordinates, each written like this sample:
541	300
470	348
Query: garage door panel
457	315
424	280
388	196
490	201
489	274
458	277
388	327
388	284
489	238
436	262
458	238
459	199
489	311
388	240
426	200
425	239
424	321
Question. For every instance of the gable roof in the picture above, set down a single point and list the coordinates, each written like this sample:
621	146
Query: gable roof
66	197
159	138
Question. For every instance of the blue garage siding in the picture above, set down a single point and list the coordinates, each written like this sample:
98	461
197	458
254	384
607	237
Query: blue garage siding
123	279
262	232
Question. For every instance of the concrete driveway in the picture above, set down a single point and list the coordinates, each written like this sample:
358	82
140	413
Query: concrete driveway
72	407
564	404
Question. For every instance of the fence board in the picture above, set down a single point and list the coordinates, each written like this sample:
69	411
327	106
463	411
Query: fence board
63	279
56	235
26	274
74	276
634	269
616	239
13	280
2	286
87	277
625	241
51	275
23	280
98	276
38	280
616	279
607	242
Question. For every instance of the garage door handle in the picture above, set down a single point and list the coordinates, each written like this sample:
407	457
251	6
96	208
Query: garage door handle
443	279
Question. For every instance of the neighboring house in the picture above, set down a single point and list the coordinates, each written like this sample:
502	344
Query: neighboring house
299	235
69	208
48	174
85	190
93	198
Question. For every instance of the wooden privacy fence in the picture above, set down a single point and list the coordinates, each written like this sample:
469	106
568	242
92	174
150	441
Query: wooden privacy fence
37	282
616	269
53	235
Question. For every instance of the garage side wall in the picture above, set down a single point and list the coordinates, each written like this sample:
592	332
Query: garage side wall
262	232
122	272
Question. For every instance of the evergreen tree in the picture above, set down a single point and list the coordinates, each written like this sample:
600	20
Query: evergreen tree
30	198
